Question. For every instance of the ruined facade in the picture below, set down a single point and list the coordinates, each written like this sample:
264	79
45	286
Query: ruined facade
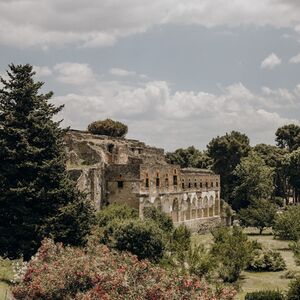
127	171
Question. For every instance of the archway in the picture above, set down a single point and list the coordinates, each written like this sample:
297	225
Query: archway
175	210
188	211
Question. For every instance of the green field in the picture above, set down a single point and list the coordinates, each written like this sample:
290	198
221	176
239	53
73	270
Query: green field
254	281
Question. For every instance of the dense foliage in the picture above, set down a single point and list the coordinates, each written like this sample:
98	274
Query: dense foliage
265	295
119	227
254	181
108	127
58	272
37	199
291	165
233	251
288	136
287	224
260	214
226	153
115	211
142	238
266	261
189	158
294	290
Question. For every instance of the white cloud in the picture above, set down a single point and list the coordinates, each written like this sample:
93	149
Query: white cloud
270	62
295	59
74	73
94	23
42	71
121	72
173	119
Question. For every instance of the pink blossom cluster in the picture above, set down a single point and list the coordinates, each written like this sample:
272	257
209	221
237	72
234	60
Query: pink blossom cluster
96	272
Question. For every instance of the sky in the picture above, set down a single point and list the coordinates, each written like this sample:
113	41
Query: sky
177	72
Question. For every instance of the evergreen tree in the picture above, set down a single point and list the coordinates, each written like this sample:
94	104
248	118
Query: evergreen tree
37	198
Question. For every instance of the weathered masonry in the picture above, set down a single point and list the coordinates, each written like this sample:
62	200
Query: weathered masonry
127	171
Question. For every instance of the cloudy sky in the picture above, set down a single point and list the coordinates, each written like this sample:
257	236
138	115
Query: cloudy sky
178	72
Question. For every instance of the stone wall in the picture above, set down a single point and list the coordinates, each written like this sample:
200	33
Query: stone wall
123	184
118	170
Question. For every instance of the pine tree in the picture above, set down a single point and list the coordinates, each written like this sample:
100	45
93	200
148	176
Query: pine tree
37	198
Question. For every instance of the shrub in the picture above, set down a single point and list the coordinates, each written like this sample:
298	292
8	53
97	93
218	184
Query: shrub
295	247
58	272
287	224
115	211
108	127
142	238
181	239
294	290
260	214
163	221
266	261
265	295
232	250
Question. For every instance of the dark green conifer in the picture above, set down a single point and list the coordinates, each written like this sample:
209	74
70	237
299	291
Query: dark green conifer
37	198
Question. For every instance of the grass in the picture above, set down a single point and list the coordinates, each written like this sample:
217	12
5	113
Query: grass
6	275
255	281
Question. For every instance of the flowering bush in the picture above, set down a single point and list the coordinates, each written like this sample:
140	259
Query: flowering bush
58	272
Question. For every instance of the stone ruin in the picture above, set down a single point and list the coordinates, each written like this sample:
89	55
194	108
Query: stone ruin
119	170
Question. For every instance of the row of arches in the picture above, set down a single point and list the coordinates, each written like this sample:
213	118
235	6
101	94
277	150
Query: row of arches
198	208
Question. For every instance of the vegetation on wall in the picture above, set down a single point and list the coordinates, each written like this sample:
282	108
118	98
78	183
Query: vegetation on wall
108	127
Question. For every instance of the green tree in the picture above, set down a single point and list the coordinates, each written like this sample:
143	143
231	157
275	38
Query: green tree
273	157
287	224
35	192
288	136
115	211
108	127
142	238
226	152
291	166
163	221
232	250
260	214
189	158
254	180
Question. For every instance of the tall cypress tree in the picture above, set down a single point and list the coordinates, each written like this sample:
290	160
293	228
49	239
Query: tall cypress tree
37	198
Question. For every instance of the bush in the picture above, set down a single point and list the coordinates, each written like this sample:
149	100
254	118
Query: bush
58	272
142	238
232	250
294	290
260	214
295	247
163	221
266	261
108	127
115	211
287	224
181	239
265	295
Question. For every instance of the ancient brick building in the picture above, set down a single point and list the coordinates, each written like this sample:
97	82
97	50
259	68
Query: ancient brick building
127	171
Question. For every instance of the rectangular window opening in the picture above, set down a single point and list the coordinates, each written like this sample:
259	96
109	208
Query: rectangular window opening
120	184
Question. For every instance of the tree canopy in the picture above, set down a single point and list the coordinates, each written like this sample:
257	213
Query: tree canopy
108	127
288	136
226	153
254	181
37	198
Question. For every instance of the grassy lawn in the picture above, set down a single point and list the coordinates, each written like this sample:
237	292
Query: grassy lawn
253	281
6	274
